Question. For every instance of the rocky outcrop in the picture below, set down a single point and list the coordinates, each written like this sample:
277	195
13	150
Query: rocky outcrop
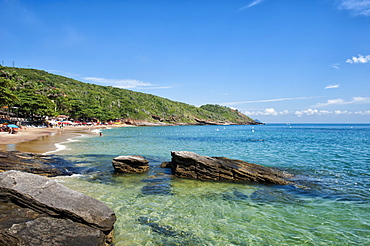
33	163
130	164
51	213
190	165
51	231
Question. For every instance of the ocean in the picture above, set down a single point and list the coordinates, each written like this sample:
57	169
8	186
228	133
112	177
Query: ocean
328	205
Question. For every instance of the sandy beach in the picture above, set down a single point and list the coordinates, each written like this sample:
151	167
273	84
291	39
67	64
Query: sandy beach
41	140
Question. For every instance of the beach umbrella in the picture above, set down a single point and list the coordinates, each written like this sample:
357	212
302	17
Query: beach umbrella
13	126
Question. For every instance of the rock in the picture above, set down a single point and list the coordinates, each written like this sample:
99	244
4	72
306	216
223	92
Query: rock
11	214
51	231
190	165
130	164
157	189
46	196
32	163
165	164
161	229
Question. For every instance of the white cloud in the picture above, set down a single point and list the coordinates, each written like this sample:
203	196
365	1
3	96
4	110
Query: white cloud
306	112
336	66
359	59
271	111
63	73
342	112
125	83
363	112
310	112
339	101
267	111
332	86
254	3
360	100
267	100
358	7
284	112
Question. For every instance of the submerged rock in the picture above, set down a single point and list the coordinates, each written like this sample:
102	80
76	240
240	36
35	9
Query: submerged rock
161	229
130	164
167	235
235	196
190	165
48	209
275	195
158	184
157	189
32	163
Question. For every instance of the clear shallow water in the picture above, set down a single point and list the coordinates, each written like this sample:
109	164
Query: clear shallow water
330	206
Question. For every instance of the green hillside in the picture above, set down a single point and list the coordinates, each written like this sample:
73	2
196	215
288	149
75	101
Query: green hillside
41	93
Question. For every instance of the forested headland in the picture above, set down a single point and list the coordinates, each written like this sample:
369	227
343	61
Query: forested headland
36	93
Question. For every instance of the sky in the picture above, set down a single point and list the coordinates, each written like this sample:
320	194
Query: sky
278	61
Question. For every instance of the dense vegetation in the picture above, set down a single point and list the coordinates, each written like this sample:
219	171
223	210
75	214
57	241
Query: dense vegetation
36	92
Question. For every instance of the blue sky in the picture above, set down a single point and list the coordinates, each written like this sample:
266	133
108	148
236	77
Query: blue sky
280	61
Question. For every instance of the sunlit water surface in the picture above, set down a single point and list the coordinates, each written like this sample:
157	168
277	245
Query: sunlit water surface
328	206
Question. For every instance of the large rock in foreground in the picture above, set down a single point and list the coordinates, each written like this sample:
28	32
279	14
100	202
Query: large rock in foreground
65	210
130	164
190	165
51	231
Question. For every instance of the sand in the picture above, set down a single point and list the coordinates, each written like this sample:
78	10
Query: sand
41	140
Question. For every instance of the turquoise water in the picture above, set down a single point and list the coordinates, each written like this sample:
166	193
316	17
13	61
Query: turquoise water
328	206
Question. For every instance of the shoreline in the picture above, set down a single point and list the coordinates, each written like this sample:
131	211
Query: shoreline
43	140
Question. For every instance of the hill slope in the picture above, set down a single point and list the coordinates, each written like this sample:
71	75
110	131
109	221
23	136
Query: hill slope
43	93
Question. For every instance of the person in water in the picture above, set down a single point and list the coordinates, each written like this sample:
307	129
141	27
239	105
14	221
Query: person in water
100	134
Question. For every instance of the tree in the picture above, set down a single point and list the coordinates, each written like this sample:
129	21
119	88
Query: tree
7	97
32	104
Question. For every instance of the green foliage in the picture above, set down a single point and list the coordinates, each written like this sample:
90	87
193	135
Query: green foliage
60	95
7	97
30	104
231	115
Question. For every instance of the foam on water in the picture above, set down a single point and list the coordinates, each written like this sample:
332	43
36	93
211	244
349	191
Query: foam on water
61	146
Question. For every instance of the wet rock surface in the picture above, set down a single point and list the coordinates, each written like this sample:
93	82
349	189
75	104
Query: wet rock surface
130	164
190	165
33	163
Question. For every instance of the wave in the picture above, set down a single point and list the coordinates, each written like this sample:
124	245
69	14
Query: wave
61	146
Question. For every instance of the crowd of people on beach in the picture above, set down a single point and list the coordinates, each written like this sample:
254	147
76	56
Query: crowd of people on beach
6	128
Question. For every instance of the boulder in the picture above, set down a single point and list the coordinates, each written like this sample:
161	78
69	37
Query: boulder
130	164
46	196
11	214
44	165
190	165
51	231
